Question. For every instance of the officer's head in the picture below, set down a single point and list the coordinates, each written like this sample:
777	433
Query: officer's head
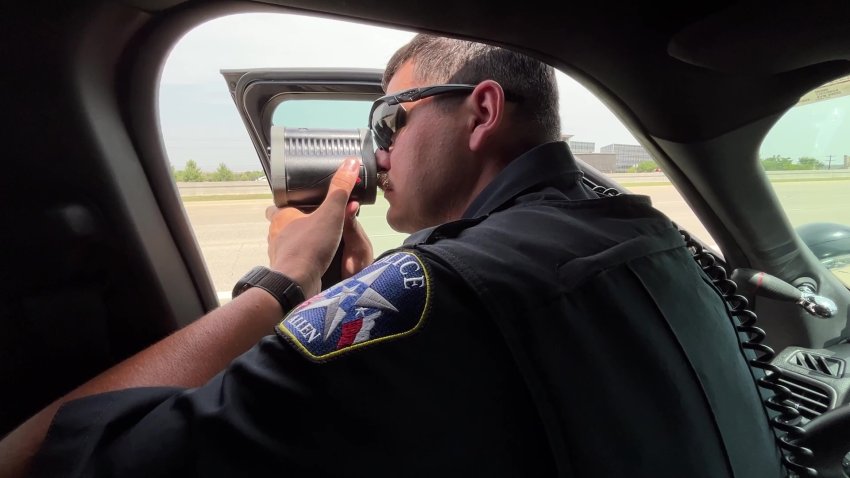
455	114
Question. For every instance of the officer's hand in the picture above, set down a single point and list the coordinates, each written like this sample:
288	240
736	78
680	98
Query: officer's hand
301	245
357	251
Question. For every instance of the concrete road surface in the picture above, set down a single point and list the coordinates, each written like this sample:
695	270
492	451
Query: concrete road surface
232	233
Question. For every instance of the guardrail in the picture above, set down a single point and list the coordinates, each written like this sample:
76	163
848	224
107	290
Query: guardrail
819	174
229	188
223	188
772	175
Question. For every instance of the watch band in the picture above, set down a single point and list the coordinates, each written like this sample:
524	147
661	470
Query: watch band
287	292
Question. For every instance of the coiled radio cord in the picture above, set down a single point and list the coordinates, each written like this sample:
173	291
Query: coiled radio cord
786	424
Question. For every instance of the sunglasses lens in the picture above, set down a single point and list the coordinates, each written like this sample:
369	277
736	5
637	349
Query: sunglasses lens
386	120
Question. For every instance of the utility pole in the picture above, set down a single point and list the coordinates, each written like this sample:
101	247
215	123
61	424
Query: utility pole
829	164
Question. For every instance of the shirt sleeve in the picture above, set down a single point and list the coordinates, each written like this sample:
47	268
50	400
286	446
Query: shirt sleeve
445	396
83	429
163	431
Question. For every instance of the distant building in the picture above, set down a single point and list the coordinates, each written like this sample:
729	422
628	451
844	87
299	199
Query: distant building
628	155
581	147
604	162
846	161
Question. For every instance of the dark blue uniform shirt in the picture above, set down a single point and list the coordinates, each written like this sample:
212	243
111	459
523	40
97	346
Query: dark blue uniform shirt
548	332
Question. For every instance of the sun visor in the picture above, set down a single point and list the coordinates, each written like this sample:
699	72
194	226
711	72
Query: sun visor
764	38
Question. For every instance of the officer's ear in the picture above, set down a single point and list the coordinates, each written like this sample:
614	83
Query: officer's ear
487	107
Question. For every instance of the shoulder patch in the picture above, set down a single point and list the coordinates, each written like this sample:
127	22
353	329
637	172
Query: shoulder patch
387	300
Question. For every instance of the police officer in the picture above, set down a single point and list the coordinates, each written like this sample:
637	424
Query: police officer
527	327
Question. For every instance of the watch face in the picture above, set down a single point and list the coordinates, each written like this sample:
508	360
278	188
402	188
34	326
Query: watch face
256	274
249	280
285	290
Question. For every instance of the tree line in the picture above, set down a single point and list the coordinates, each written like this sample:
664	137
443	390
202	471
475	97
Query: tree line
193	173
773	163
780	163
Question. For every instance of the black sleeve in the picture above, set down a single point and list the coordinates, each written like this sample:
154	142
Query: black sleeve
83	430
445	398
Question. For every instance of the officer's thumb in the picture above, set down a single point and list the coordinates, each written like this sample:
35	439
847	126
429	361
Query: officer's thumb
342	184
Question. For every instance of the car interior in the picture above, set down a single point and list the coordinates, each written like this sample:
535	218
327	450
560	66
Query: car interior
100	260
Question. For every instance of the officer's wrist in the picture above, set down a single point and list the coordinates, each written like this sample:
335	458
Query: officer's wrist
263	303
258	311
282	288
309	281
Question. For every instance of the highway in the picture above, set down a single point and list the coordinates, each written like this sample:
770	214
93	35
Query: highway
232	233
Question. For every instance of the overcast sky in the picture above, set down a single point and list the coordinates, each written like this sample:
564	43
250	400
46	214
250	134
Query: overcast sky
199	119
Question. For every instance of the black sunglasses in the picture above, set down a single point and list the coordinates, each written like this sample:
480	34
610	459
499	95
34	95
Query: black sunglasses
388	116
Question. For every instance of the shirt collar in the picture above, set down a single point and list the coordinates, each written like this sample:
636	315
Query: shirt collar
546	163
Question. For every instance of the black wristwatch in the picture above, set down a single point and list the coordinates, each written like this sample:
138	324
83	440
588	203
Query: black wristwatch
282	288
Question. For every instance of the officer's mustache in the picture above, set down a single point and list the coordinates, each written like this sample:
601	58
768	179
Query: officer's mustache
384	180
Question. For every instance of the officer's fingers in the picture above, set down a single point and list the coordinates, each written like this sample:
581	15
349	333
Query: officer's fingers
351	210
284	214
279	218
282	230
358	252
353	233
270	212
356	241
342	184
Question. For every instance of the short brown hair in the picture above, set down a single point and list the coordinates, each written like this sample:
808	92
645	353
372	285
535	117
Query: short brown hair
448	60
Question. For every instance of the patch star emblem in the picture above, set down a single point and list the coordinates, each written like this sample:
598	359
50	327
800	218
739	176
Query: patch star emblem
388	299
